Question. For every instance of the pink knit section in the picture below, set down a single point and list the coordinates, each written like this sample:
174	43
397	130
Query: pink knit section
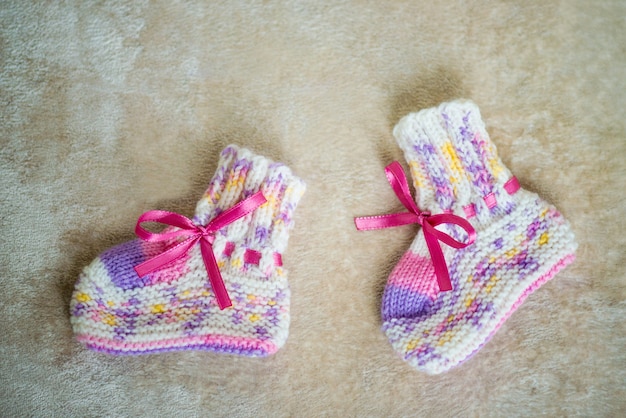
415	272
170	272
208	341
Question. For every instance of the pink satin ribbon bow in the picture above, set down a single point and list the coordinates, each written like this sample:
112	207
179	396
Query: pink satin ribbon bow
195	233
397	180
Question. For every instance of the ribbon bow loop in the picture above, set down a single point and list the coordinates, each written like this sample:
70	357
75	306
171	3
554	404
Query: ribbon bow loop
193	234
399	184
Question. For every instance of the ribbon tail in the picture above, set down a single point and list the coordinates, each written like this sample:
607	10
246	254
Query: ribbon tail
167	257
215	277
439	261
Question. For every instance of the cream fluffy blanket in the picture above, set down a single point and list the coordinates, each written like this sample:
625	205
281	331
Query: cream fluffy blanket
112	108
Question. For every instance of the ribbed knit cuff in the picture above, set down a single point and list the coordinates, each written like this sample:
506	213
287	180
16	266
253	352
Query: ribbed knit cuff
452	160
240	174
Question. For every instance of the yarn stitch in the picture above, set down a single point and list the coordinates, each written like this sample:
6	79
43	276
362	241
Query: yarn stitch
174	308
521	242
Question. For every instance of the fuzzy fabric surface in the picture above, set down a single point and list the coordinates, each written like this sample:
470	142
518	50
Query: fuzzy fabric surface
113	108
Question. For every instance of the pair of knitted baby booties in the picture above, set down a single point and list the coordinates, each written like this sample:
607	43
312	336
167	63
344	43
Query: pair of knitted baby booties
217	282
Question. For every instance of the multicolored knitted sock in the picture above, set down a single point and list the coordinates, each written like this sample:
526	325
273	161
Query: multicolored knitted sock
521	241
175	307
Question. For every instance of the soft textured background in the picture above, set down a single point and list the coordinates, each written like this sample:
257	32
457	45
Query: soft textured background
111	108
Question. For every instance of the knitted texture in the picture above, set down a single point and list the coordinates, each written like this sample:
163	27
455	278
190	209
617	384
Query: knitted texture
521	241
174	308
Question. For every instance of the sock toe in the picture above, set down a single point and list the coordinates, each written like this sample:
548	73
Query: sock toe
411	288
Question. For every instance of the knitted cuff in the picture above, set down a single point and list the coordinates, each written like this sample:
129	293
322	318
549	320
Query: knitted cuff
240	174
454	165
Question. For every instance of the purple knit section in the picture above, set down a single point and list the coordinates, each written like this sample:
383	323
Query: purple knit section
119	262
400	302
221	348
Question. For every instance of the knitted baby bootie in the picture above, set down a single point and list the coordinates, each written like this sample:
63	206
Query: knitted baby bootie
213	283
520	242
